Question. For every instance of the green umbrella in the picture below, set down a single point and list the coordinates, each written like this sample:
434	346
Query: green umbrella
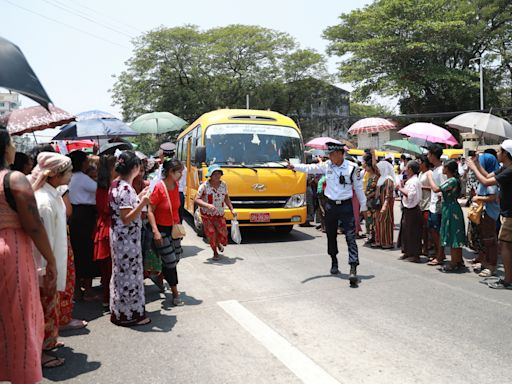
157	122
405	146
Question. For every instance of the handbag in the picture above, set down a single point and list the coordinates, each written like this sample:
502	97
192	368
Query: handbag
178	230
475	212
169	251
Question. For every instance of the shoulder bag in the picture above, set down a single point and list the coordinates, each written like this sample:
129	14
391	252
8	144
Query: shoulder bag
475	212
7	191
178	230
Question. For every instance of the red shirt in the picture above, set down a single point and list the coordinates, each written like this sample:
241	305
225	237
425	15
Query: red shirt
158	200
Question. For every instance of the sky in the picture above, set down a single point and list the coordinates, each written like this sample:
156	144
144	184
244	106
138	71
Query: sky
75	47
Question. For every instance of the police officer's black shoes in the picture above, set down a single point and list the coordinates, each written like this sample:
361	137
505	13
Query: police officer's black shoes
352	277
334	266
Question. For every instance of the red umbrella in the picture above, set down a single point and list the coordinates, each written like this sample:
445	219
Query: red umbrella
320	142
371	125
37	118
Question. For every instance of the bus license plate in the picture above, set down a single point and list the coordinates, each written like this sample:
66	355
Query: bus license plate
260	217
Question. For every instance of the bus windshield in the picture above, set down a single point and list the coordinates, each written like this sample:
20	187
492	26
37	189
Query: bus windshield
252	144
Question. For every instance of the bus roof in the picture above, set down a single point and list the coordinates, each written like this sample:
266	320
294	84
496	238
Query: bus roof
233	116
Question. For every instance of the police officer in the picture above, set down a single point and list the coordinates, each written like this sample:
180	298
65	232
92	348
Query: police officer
343	177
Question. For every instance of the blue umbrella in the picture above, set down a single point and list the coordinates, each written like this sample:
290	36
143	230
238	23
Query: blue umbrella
94	129
94	114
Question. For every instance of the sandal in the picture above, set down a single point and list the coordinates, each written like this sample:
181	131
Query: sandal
58	344
220	248
453	268
52	362
486	273
375	245
177	302
434	262
74	324
144	321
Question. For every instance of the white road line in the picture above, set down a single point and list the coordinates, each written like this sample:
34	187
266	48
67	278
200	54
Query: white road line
296	361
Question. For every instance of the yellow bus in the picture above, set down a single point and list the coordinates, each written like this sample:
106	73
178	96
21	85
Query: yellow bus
252	147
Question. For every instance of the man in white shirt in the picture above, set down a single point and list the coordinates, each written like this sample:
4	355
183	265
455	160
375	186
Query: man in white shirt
342	177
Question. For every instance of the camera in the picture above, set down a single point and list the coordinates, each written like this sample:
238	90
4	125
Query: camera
342	179
471	153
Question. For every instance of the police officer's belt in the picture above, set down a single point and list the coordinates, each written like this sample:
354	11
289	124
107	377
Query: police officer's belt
339	202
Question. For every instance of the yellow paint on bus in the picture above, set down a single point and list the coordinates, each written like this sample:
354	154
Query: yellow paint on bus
252	147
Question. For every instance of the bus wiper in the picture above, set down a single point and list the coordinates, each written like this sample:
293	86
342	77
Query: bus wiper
246	166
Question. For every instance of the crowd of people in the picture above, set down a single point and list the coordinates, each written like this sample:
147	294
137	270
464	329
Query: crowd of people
66	220
428	190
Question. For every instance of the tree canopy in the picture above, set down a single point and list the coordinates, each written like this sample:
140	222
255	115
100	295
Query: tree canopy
422	51
188	71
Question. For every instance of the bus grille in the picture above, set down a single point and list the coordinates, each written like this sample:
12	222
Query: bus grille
259	202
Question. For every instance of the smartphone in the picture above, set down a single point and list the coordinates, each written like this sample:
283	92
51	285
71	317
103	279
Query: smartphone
471	153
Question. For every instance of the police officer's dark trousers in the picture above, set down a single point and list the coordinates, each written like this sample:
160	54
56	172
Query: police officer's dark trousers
341	212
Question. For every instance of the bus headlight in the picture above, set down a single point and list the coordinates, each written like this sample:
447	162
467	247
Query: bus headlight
296	201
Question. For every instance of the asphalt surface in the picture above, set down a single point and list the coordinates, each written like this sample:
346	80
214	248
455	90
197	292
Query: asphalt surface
270	312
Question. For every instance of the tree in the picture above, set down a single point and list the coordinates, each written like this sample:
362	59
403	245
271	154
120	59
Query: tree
189	72
369	110
419	50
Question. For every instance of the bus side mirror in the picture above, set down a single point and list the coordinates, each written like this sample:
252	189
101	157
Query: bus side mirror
309	157
200	154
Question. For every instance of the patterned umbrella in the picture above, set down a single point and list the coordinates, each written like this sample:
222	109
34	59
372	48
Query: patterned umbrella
371	125
17	75
24	120
429	132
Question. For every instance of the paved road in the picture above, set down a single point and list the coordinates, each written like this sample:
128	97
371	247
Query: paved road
269	312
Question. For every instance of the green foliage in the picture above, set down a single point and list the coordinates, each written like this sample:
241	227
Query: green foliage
420	50
369	110
189	72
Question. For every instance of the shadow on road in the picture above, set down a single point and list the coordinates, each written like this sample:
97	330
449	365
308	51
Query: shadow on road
223	260
159	323
190	250
258	235
341	276
187	299
76	365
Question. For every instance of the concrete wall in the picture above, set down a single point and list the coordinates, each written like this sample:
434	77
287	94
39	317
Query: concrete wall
377	140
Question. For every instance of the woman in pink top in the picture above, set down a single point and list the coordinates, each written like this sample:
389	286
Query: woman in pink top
21	313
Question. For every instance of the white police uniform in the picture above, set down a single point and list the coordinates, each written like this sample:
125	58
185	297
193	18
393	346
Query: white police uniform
342	180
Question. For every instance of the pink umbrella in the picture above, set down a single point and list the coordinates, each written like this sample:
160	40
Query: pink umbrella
320	142
371	125
429	132
24	120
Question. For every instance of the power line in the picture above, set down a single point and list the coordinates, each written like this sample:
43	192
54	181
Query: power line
87	18
67	25
109	17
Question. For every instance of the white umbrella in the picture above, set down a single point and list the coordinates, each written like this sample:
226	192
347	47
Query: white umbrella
490	125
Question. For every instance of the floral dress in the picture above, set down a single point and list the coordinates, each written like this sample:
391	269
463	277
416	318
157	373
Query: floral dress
214	224
452	225
127	282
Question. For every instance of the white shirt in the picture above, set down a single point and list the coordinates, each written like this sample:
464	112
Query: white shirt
53	213
82	189
183	181
413	187
334	190
435	198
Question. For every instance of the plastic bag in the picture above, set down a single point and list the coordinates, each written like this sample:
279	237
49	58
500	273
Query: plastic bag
235	231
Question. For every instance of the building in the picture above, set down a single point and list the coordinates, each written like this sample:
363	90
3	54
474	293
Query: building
8	102
323	110
377	140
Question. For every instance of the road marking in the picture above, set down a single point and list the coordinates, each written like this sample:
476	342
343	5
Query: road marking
296	361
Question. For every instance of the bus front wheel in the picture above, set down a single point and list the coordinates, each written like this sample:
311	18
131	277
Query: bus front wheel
283	229
198	223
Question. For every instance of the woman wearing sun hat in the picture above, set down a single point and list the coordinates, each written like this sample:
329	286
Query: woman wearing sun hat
212	198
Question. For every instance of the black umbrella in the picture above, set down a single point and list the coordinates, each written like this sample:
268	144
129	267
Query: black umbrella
16	74
110	148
